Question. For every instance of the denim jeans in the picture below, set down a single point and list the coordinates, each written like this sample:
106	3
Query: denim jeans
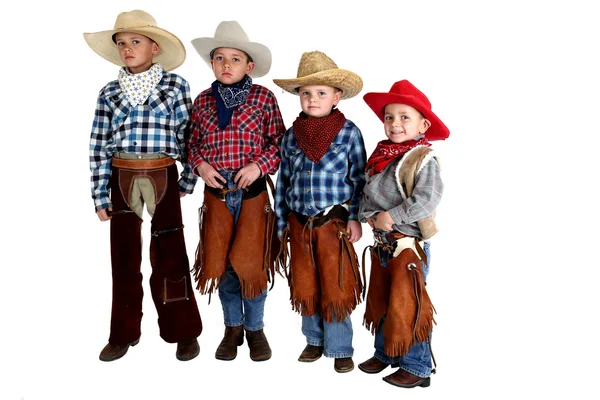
418	359
236	309
335	337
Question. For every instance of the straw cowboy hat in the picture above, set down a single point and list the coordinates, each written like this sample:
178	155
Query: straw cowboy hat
172	51
404	92
317	68
231	34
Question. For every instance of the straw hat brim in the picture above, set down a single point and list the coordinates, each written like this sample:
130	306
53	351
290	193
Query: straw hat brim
171	54
261	55
350	83
377	102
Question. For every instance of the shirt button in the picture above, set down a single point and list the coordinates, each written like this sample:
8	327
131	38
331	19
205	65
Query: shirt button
308	172
226	154
293	151
139	157
135	143
227	140
368	197
310	207
307	190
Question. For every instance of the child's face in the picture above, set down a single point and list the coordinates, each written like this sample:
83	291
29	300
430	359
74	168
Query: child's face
403	122
230	65
317	100
136	51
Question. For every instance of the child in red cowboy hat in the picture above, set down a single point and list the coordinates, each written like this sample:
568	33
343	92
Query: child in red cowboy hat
234	146
316	201
139	130
403	189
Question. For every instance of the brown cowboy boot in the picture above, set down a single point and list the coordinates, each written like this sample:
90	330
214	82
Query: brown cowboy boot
259	347
405	379
112	352
234	337
187	350
374	365
311	353
342	365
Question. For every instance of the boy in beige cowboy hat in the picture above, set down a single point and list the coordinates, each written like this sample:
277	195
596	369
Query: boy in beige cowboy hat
234	146
316	201
140	129
404	189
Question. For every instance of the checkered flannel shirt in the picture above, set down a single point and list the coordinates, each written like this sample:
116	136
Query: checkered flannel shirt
253	134
160	125
309	188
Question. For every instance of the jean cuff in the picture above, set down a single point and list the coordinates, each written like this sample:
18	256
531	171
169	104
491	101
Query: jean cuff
314	342
337	355
254	328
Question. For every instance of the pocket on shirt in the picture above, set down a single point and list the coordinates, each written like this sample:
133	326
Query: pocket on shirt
336	159
295	155
161	103
249	119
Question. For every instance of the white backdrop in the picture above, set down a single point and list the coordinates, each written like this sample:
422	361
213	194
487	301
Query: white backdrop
514	267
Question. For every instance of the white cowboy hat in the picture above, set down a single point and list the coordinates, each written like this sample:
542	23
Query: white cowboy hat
231	34
316	68
172	51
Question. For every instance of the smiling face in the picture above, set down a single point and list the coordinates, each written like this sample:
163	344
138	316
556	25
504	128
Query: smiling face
230	65
317	100
136	51
403	122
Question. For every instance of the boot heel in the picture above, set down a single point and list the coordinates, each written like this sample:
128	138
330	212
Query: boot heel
426	382
395	365
135	342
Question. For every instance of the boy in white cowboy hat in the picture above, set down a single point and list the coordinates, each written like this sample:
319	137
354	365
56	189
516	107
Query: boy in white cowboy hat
140	129
234	146
316	201
403	189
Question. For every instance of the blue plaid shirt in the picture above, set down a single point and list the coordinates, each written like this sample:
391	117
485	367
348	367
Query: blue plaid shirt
309	188
160	125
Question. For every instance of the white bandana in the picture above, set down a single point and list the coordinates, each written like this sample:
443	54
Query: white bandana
137	87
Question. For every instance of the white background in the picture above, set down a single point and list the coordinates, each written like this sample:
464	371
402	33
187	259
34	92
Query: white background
514	267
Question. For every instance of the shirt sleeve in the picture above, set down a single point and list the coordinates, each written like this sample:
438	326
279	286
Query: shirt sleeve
182	106
194	144
269	158
100	161
356	175
425	198
283	182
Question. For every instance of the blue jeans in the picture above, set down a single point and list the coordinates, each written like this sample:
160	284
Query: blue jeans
236	309
418	359
335	337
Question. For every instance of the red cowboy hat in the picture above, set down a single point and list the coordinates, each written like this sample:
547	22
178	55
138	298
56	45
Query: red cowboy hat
404	92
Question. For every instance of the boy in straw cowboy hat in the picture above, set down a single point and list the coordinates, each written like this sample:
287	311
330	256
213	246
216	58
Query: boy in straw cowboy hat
316	201
403	189
140	129
234	146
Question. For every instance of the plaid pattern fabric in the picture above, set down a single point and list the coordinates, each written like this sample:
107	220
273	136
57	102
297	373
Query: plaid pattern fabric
253	135
309	188
160	125
382	194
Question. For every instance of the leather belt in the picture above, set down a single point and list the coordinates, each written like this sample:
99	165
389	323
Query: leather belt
143	164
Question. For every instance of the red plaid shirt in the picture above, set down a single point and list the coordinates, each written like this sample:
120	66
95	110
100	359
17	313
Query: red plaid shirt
253	135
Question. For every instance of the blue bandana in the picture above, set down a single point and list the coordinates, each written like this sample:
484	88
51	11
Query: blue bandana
229	97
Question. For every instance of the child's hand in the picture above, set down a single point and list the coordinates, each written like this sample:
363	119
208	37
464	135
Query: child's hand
247	175
210	176
103	215
355	230
384	221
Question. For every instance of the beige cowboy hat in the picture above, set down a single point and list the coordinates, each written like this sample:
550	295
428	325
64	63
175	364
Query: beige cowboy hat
316	68
231	34
172	51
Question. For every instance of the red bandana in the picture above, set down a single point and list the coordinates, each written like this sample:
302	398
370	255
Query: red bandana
386	152
314	135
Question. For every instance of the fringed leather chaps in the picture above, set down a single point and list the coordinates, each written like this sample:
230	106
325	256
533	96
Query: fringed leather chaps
324	274
247	246
379	292
250	253
410	312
